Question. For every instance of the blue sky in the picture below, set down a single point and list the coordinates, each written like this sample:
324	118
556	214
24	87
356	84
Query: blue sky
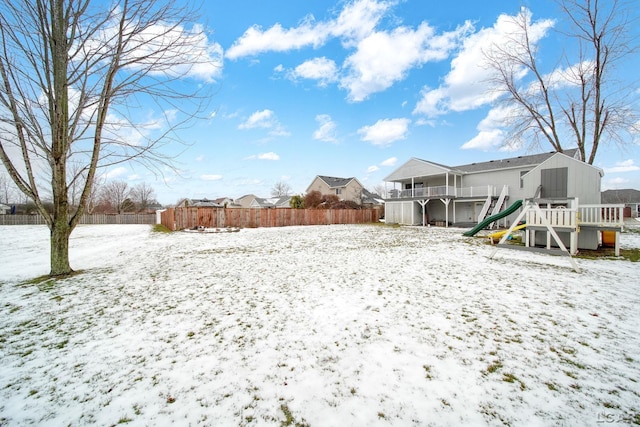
351	89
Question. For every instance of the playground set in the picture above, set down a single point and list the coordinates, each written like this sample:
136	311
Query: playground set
555	228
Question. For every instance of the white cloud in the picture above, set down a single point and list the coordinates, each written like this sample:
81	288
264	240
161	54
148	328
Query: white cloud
259	119
490	131
277	39
372	169
465	86
378	58
321	69
248	182
189	50
268	156
210	177
391	161
485	140
621	167
356	20
385	132
115	172
615	183
264	119
327	130
264	156
383	58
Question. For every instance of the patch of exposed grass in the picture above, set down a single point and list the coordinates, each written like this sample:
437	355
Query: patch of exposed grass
632	255
510	378
47	283
551	386
159	228
494	366
289	420
384	224
428	374
571	374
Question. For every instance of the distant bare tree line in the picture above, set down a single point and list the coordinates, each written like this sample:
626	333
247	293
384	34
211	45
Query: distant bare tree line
106	197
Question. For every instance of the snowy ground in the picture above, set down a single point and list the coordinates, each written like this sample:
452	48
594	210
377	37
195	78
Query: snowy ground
318	326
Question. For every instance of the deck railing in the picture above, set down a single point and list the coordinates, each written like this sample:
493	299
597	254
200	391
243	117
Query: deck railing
441	190
479	191
556	217
444	190
602	215
587	215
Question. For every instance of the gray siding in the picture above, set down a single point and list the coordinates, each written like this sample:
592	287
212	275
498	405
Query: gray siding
414	168
583	180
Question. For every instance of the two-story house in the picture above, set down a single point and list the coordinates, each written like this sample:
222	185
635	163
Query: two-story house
425	192
347	189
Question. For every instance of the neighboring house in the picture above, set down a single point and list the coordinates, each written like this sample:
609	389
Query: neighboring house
245	201
198	203
347	189
274	202
629	197
4	209
224	202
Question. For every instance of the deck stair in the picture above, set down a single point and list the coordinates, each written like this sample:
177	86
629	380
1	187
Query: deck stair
492	206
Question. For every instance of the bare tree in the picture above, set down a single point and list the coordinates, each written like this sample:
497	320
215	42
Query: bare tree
280	189
7	190
72	73
580	102
143	195
115	194
380	190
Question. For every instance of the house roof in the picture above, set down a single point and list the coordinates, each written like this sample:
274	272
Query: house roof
271	202
512	162
262	202
417	167
199	203
627	195
372	198
436	168
281	201
221	200
334	182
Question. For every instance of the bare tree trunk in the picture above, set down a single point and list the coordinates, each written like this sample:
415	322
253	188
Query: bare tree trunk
59	113
60	233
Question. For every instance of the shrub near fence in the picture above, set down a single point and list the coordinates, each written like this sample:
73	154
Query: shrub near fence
86	219
181	218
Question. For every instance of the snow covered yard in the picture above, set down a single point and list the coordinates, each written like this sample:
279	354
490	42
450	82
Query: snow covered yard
318	326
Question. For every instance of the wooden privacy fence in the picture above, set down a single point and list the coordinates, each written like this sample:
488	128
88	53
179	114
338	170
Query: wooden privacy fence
181	218
86	219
